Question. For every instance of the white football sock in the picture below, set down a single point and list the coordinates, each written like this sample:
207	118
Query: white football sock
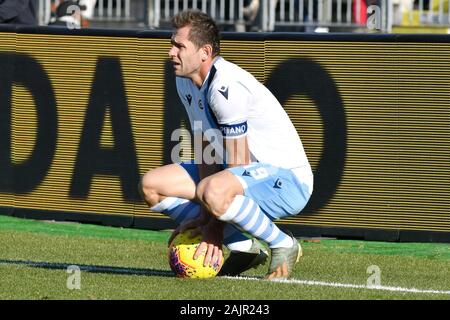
245	213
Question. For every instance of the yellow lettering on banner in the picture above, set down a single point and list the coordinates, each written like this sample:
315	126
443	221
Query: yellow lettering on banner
24	123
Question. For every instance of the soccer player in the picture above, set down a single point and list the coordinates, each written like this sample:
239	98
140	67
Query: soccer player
260	173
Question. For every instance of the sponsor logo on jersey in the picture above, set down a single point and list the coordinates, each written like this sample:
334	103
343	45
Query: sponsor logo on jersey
233	130
246	173
224	91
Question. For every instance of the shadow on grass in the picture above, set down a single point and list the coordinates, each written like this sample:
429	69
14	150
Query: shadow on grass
91	268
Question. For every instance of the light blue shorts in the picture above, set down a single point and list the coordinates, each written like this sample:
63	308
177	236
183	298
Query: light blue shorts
277	191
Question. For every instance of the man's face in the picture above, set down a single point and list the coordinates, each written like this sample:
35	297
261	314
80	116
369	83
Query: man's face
185	56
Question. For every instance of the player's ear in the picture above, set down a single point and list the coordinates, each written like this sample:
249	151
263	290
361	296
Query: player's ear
207	52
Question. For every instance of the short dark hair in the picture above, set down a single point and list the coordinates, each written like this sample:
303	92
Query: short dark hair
203	28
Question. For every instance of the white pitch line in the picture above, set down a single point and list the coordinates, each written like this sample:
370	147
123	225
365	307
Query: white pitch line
347	285
165	273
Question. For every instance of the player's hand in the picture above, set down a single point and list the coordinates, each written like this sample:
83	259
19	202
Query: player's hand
212	234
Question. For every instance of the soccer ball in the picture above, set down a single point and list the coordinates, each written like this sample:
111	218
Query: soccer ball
181	258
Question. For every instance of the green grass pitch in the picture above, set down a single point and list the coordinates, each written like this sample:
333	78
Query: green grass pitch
117	263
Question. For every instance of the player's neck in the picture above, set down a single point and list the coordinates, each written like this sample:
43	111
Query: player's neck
199	79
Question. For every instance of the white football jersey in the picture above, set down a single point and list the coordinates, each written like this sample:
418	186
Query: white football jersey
237	104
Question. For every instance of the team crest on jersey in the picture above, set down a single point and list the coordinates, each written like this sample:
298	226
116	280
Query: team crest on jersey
224	91
189	98
200	104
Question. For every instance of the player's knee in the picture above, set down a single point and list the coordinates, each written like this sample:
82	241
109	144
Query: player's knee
214	194
148	190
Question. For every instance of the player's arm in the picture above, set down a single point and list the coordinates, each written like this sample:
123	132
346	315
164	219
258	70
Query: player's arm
237	152
205	169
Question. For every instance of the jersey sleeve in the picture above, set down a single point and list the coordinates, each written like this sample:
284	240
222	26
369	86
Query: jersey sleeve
230	105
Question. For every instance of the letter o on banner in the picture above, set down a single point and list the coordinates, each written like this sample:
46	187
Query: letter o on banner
304	76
